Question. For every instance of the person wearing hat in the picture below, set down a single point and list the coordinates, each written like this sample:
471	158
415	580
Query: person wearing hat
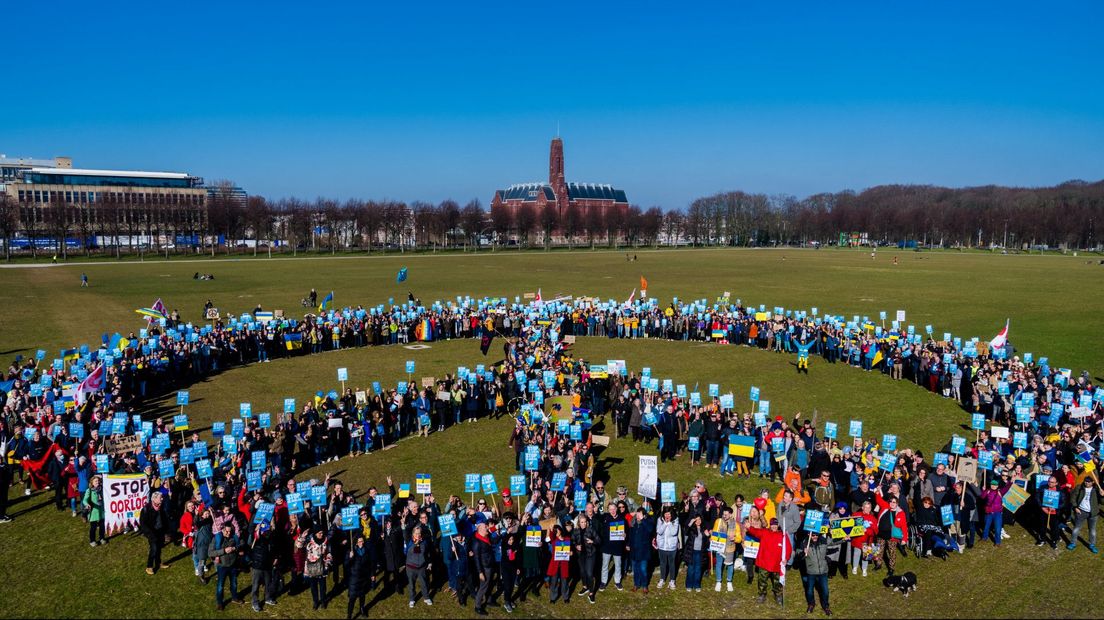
774	552
993	500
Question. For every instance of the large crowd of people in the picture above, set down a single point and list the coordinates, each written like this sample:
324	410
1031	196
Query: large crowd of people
830	505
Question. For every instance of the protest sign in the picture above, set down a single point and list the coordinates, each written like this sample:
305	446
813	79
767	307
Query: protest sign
423	484
447	525
118	445
967	470
562	552
1014	499
489	484
124	496
814	520
295	503
533	535
718	541
350	518
667	492
648	474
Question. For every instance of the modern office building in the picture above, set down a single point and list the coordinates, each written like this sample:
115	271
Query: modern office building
98	207
559	192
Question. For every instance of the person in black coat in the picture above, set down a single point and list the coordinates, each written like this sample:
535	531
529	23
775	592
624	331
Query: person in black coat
263	560
153	523
394	558
362	563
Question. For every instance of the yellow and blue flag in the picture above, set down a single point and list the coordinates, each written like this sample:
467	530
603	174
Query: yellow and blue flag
326	300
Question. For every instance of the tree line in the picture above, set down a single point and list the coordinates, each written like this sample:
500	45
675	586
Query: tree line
1065	215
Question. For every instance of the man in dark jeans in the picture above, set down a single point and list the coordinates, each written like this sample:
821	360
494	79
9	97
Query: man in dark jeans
224	550
262	559
153	523
483	552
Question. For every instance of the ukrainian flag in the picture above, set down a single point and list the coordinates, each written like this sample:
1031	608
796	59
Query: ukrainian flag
741	445
878	357
293	341
326	300
70	354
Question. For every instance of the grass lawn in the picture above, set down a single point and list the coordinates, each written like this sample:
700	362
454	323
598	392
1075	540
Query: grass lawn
51	571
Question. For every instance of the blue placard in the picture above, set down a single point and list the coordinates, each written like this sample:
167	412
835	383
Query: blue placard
887	462
187	455
889	443
264	420
295	503
831	430
958	445
118	425
409	367
714	390
489	484
182	397
237	428
102	464
229	444
580	500
447	525
559	481
218	429
728	401
667	492
1019	440
693	444
941	458
977	422
753	395
855	429
76	430
777	445
576	432
350	518
985	460
180	422
471	483
382	505
265	511
814	520
257	460
318	496
245	410
1023	414
253	480
1050	499
166	469
695	399
947	513
518	485
342	374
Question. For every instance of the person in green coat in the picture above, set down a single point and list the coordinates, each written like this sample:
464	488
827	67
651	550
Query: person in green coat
93	505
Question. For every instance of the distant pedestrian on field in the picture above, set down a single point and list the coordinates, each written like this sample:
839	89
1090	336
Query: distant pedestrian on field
84	280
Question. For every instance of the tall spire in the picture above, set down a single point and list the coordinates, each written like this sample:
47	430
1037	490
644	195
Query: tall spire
556	173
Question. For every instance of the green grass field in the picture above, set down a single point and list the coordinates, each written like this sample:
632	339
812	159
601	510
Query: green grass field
51	571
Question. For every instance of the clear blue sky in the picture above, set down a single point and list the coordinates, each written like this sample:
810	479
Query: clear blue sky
430	101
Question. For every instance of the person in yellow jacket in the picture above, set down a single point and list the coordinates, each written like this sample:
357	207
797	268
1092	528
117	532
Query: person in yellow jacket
724	564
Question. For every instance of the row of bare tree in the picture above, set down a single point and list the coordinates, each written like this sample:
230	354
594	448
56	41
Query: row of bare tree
1064	215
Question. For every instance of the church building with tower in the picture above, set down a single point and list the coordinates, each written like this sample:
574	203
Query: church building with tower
559	192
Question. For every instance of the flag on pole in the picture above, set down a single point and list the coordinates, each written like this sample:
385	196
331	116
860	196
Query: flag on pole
157	306
1002	338
629	301
94	382
485	342
643	287
538	297
401	277
326	300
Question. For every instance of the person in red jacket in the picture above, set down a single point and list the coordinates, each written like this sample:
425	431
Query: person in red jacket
774	553
892	528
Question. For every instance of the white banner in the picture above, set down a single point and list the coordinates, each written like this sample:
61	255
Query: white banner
124	497
648	478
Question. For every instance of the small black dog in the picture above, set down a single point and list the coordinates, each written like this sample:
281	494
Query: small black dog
905	583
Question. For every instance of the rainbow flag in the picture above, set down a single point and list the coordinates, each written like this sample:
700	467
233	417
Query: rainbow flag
424	330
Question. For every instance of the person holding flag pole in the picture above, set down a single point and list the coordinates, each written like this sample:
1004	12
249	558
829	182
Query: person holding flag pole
774	553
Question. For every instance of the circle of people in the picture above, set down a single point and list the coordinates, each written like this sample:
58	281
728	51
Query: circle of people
838	504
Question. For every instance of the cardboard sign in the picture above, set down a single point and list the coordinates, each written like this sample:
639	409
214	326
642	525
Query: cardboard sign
428	382
117	445
966	469
1015	497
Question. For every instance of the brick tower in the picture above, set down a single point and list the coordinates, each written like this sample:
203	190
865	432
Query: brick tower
556	174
